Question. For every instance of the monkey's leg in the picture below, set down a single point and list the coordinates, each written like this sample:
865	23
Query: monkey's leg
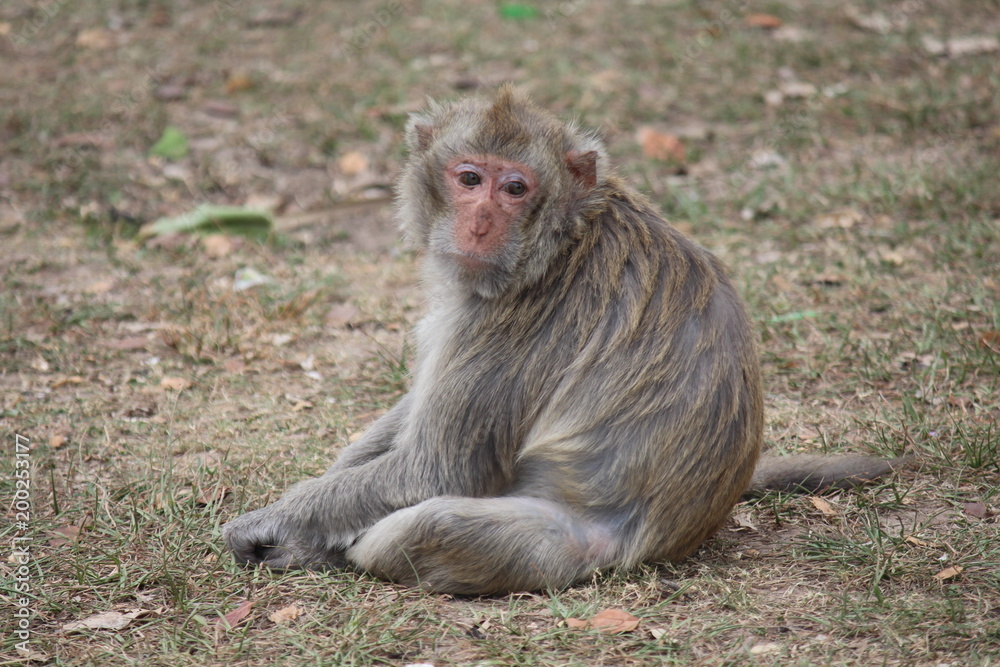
474	546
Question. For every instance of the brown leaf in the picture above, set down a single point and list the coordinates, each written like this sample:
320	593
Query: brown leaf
220	109
611	621
131	343
236	615
977	510
285	615
766	647
843	219
83	139
98	39
957	47
109	620
661	146
72	532
236	366
343	315
823	506
57	441
213	495
829	279
766	21
949	572
990	340
216	245
72	379
100	287
175	383
238	82
352	163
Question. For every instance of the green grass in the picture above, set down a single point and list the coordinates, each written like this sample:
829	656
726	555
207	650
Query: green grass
868	254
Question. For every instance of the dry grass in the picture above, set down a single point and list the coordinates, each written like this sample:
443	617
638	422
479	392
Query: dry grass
869	251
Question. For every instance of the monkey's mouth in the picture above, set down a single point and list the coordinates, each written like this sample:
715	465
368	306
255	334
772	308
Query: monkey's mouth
472	264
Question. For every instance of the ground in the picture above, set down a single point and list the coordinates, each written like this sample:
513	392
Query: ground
842	160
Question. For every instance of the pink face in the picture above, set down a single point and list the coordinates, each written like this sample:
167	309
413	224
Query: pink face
489	195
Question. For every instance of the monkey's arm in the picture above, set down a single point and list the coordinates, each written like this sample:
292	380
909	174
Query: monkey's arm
377	439
806	472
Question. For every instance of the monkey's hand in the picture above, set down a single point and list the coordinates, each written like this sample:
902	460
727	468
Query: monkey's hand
276	537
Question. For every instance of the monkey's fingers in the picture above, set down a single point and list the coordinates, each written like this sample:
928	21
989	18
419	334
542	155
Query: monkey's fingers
254	540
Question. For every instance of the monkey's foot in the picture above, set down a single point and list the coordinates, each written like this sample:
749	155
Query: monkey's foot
268	537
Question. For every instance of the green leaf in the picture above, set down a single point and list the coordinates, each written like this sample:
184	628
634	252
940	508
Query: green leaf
212	219
517	11
172	145
793	316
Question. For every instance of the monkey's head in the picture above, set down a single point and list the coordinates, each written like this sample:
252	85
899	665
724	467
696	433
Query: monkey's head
495	190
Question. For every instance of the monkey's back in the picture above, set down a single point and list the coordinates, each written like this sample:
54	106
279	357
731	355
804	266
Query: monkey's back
655	424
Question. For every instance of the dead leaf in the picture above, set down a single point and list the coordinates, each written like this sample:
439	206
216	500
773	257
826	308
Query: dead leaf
990	340
611	621
220	109
72	532
301	405
236	615
216	245
98	39
236	366
949	572
343	315
83	139
352	163
658	145
100	287
876	22
281	339
977	510
238	82
72	379
829	279
797	89
285	615
843	219
131	343
214	495
892	257
918	542
109	620
765	21
175	383
958	47
57	441
769	647
823	506
744	520
40	364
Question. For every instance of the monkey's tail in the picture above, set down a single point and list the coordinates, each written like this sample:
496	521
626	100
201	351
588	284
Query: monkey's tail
811	473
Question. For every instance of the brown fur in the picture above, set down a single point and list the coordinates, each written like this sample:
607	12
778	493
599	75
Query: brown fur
592	399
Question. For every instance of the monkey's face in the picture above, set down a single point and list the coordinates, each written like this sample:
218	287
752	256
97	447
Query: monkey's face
495	191
489	198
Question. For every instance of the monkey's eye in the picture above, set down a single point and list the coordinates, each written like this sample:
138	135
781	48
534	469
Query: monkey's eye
469	178
515	188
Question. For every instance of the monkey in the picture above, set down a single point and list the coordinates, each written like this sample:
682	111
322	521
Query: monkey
586	392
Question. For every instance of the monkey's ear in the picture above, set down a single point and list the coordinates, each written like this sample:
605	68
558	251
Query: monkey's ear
423	135
419	132
583	166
